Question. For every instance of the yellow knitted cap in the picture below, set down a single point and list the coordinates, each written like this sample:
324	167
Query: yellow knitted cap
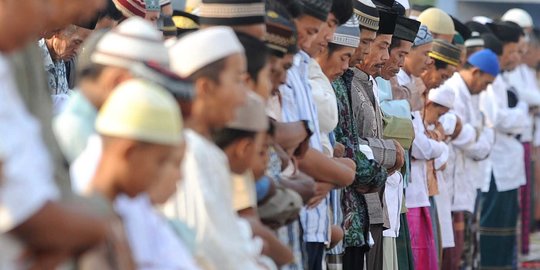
141	111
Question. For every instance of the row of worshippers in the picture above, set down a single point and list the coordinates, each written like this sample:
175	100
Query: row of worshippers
369	160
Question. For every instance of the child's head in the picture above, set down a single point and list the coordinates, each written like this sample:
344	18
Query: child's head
165	186
141	126
440	101
260	162
243	138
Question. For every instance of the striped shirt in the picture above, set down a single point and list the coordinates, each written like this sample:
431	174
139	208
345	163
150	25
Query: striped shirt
298	104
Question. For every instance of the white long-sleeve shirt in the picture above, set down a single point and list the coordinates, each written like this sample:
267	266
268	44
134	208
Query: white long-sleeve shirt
528	91
423	149
507	154
473	145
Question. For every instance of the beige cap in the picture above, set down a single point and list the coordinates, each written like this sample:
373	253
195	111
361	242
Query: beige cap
437	21
143	111
251	116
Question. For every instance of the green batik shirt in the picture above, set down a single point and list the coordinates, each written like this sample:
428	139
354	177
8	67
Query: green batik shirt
368	172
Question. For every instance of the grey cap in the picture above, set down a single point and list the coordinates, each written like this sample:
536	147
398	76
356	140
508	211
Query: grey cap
251	116
348	34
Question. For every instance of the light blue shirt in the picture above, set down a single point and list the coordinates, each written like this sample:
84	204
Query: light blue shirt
399	108
298	104
74	125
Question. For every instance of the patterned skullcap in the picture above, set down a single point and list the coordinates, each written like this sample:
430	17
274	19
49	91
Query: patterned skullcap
446	52
280	29
131	8
348	34
423	36
367	13
152	5
231	12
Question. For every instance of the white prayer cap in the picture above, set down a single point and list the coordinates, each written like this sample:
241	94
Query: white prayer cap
482	19
142	111
348	34
203	47
251	116
443	95
134	40
519	16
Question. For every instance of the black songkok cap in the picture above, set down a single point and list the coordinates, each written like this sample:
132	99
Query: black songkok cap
462	29
406	29
388	4
317	8
477	27
387	23
280	29
231	12
505	31
399	9
493	43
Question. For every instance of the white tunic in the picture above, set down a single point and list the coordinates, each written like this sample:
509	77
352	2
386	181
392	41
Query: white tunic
507	123
26	183
204	201
467	172
152	241
528	91
325	99
423	149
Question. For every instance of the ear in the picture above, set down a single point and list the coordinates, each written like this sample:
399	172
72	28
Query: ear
244	146
128	150
250	82
203	87
475	72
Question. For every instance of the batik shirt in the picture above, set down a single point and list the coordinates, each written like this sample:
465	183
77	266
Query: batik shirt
56	72
368	172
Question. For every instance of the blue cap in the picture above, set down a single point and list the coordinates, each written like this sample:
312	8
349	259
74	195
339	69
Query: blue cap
486	60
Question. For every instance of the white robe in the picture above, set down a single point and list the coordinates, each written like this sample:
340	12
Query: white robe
423	149
507	123
153	243
204	201
467	172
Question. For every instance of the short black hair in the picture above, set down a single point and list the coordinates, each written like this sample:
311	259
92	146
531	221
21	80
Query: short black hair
439	64
90	72
210	71
256	54
227	136
493	43
468	66
342	9
294	7
396	42
333	47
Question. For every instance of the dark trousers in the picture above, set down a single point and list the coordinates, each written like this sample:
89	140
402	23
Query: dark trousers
375	254
315	254
353	259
